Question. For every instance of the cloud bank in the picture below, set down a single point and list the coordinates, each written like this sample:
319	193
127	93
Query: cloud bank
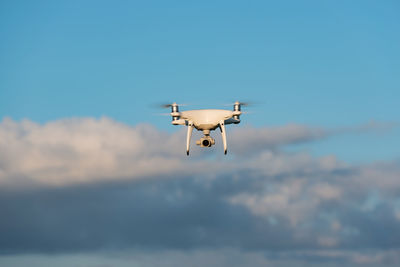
88	185
82	150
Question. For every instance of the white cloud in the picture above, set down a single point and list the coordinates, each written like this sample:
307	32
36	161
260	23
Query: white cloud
81	149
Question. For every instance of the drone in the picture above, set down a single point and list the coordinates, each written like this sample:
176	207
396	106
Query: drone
205	120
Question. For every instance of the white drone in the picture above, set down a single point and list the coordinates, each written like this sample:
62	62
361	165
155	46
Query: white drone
205	120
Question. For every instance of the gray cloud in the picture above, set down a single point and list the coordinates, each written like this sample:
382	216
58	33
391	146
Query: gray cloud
122	188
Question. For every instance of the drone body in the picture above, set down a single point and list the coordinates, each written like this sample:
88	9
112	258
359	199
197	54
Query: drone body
206	120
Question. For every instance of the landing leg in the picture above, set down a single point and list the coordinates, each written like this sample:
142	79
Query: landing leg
189	135
223	134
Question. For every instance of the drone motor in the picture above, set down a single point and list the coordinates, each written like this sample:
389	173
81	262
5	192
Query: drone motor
175	112
236	107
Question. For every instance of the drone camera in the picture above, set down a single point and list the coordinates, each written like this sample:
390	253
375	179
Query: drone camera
206	141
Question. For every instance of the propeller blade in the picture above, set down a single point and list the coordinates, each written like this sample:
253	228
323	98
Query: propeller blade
169	105
244	104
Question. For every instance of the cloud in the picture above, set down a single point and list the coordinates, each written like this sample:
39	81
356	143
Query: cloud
79	150
371	126
214	257
120	187
251	139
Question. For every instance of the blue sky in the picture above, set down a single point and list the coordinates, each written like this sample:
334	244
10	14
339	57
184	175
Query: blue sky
322	63
328	65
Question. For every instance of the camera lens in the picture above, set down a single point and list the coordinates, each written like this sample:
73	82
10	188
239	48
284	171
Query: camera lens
206	142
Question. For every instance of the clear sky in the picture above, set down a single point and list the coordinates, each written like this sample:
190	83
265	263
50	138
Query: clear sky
322	63
330	65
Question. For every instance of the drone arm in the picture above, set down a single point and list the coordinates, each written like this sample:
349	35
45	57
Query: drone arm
234	118
189	135
223	134
179	122
232	121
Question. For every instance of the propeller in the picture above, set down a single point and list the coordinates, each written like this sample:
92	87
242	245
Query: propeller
163	114
243	104
170	105
248	112
165	106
